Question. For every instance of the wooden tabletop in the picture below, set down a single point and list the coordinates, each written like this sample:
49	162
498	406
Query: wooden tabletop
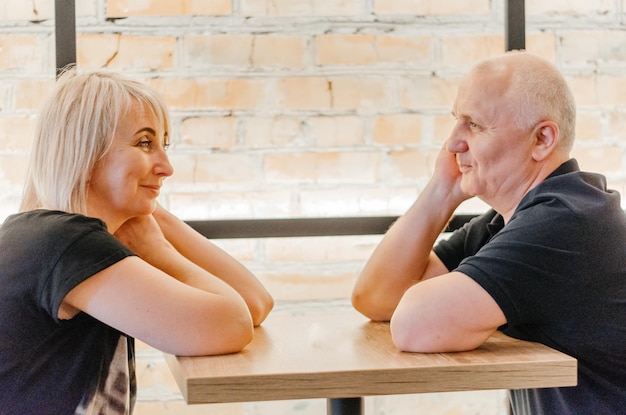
331	351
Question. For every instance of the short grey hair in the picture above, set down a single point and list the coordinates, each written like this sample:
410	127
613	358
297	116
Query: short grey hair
537	92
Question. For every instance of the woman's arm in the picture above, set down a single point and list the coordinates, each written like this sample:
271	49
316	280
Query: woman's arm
207	255
162	298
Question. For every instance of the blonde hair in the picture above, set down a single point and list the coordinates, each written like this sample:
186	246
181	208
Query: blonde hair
75	129
536	92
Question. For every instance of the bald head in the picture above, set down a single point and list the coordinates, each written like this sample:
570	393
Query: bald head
533	90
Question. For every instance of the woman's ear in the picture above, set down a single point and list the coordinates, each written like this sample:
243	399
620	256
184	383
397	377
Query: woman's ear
545	139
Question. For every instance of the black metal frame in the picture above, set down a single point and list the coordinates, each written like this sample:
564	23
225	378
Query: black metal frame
65	29
65	33
290	227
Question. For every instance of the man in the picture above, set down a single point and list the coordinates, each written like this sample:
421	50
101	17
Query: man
547	263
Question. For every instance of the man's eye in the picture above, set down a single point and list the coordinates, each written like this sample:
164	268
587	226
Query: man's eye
473	125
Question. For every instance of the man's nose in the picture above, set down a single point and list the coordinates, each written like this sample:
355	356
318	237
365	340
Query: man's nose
455	142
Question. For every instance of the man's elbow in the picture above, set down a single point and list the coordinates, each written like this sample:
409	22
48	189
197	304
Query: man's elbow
409	337
370	308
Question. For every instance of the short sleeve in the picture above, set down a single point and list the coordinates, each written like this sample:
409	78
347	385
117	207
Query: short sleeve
89	254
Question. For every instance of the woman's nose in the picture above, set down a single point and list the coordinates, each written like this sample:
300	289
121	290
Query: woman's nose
163	166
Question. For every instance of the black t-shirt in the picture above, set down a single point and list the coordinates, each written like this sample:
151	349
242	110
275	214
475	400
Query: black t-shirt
47	365
557	270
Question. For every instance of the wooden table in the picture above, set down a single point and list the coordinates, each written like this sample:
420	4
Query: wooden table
331	351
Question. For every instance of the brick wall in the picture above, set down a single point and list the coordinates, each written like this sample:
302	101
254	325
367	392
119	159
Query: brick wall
307	108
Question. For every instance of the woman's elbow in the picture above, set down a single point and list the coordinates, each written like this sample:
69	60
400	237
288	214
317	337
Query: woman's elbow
260	309
228	330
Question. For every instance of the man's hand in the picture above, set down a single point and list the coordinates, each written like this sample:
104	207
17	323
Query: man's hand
448	176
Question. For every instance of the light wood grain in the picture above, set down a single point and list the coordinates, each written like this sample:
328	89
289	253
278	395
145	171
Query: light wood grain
336	352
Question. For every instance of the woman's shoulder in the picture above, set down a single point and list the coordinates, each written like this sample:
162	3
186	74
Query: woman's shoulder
51	219
41	224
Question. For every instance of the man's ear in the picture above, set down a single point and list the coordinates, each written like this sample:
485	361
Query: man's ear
545	139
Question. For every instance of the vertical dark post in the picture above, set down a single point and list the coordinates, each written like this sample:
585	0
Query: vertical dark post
515	25
65	33
344	406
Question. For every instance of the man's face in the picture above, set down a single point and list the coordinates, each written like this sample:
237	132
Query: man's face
493	155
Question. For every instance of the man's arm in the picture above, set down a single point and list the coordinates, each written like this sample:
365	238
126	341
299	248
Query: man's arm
404	257
445	314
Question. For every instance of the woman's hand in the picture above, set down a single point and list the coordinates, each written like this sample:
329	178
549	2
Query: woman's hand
143	235
210	257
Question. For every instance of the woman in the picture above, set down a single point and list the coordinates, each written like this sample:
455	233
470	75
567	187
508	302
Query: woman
92	261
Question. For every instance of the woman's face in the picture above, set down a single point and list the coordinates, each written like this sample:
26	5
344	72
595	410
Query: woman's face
126	182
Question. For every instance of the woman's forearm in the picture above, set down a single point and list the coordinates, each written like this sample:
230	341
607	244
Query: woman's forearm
213	259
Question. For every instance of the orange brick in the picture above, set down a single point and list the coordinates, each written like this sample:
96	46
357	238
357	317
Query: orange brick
231	49
16	133
29	94
368	49
184	168
443	126
21	52
412	163
468	49
337	131
542	44
361	93
346	49
611	89
304	93
409	49
27	10
209	132
428	92
589	126
13	173
599	159
383	199
266	203
300	8
225	168
569	8
584	90
125	52
421	7
280	51
271	132
592	48
202	93
329	167
398	129
126	8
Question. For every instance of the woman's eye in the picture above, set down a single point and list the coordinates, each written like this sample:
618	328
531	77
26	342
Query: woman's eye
145	143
